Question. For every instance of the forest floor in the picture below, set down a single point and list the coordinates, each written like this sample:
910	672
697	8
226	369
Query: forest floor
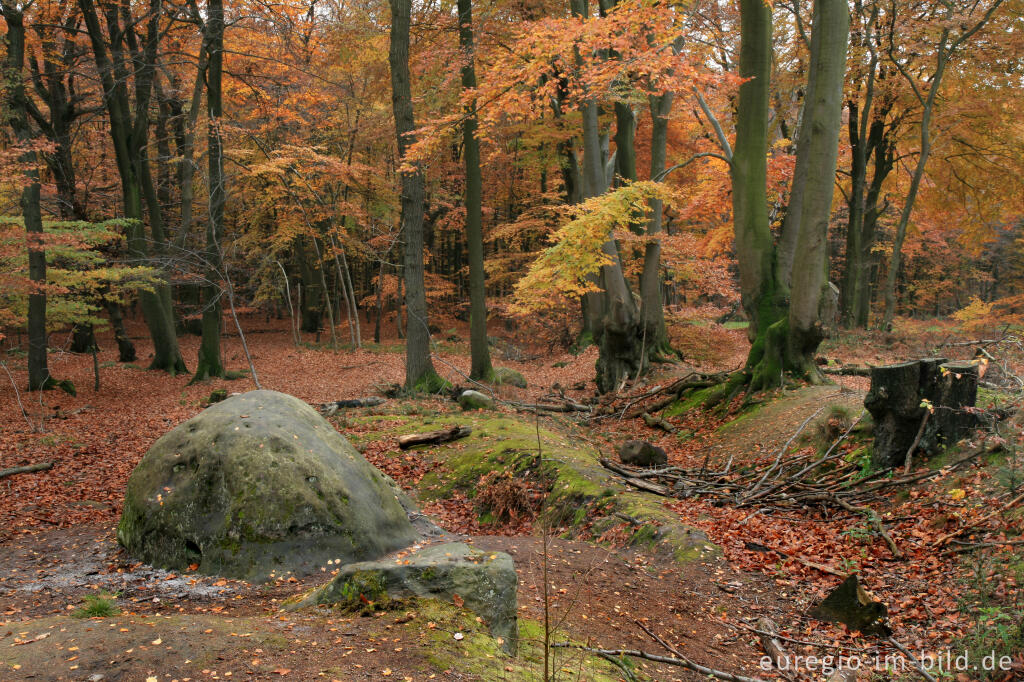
58	547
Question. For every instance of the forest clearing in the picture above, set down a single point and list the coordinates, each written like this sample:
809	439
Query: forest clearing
482	340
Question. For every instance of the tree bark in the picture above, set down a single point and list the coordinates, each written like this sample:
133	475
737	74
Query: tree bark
16	101
209	362
480	363
128	138
817	153
419	368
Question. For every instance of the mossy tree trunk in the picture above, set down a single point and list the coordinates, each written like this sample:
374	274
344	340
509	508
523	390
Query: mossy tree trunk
480	364
785	317
419	368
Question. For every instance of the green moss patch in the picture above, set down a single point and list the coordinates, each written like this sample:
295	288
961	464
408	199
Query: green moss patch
580	494
477	655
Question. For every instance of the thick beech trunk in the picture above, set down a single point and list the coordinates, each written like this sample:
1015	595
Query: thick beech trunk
480	364
652	309
817	153
419	368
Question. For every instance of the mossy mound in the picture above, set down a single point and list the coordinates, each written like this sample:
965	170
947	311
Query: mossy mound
581	495
504	376
260	483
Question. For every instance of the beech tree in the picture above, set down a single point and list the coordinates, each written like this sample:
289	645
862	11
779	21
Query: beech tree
17	105
783	285
419	368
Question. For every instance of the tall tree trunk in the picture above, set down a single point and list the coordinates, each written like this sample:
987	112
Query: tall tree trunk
209	362
114	75
817	153
419	368
763	296
16	101
652	309
480	364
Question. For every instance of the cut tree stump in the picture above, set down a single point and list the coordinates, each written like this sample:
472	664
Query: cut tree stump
434	437
896	403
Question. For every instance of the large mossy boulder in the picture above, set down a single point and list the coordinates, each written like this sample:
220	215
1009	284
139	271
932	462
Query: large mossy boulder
259	484
484	582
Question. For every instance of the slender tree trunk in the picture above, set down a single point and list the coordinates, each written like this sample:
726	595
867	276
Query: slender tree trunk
480	364
927	107
114	75
419	368
209	361
16	102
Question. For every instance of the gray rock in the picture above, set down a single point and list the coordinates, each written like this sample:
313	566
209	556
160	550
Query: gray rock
475	400
640	453
509	377
260	483
484	581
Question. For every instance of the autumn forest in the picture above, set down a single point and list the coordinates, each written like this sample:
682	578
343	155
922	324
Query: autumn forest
573	303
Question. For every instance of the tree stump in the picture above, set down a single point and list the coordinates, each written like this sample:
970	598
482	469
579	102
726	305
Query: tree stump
896	403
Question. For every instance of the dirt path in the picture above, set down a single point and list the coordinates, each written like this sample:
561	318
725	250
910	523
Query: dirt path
174	627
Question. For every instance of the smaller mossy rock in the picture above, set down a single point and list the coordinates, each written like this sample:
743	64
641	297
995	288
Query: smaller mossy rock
484	582
640	453
854	607
503	376
259	484
475	400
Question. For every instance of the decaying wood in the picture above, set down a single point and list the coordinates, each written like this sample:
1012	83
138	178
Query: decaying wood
330	409
434	437
847	371
768	634
637	479
909	460
27	469
658	422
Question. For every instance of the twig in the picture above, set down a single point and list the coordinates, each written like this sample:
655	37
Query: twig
875	520
949	536
668	660
913	659
17	394
917	439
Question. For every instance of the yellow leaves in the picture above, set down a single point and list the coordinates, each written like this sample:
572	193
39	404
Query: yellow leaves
957	493
565	270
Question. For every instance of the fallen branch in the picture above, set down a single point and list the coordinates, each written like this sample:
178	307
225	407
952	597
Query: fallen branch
974	524
658	422
913	659
847	371
434	437
913	446
875	520
330	409
27	469
667	660
769	637
972	546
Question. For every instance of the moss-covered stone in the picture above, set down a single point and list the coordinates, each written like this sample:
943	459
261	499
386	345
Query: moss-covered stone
260	483
475	400
484	582
505	376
